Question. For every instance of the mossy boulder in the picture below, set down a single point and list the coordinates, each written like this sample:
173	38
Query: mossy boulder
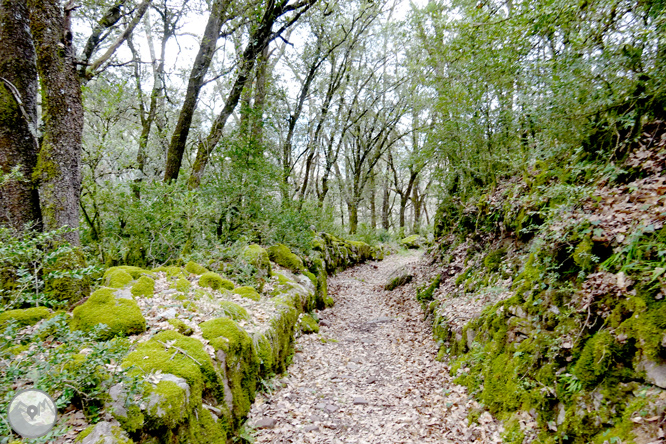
398	281
103	432
135	272
308	324
414	241
258	257
121	315
234	311
25	317
167	403
144	287
215	281
116	277
282	255
236	354
181	327
171	271
247	292
176	354
68	288
195	268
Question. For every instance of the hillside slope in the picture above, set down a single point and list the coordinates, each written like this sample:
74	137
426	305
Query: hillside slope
547	294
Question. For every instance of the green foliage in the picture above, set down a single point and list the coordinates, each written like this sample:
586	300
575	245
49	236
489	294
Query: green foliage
39	269
72	366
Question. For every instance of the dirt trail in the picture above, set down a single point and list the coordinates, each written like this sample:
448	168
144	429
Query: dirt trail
370	375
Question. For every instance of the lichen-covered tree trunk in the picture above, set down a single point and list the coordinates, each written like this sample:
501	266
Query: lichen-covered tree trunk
19	201
57	167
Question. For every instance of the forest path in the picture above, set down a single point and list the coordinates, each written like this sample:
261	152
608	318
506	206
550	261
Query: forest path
370	375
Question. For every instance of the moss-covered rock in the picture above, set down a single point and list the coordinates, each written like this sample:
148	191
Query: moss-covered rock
135	272
121	316
247	292
25	317
308	324
171	271
116	277
282	255
258	257
215	281
235	352
413	241
195	268
171	352
398	281
181	327
234	311
144	287
68	288
183	285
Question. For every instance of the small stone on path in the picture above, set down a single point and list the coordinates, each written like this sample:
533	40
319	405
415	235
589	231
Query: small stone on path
265	423
360	400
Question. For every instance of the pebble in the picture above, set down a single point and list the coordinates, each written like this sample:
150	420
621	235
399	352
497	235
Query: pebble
360	400
265	423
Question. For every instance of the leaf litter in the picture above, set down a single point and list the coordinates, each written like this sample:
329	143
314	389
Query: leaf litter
370	375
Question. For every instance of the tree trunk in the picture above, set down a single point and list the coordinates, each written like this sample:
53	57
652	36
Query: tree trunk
352	206
373	207
416	201
58	160
19	200
197	75
385	204
258	41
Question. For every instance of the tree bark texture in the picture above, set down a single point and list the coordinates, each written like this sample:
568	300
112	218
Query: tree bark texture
57	167
19	200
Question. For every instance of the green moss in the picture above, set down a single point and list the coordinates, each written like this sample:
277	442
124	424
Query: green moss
425	295
195	268
247	292
257	257
596	359
512	432
181	327
167	406
234	311
582	255
68	288
215	281
135	272
329	301
145	287
134	419
413	241
282	255
265	355
398	281
171	272
308	324
117	278
191	362
121	316
493	259
241	361
25	317
85	432
190	306
183	285
204	428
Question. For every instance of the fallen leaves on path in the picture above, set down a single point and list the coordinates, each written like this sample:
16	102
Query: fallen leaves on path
370	376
